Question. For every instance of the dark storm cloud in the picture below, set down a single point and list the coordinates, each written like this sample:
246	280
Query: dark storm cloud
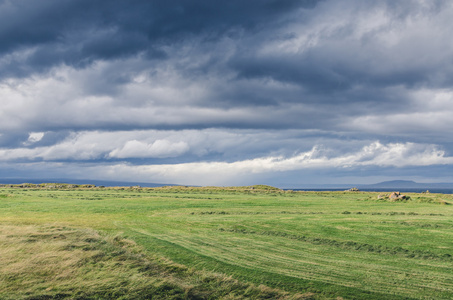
308	64
78	32
343	58
22	139
332	66
12	139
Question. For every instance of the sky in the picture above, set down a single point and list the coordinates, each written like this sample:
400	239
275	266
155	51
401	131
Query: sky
202	92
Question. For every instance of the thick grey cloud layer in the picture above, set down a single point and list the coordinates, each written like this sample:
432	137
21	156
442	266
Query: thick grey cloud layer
238	87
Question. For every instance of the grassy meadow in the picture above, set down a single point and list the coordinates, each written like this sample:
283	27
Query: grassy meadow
223	243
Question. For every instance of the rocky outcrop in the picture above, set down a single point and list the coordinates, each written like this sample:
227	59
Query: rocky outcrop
397	196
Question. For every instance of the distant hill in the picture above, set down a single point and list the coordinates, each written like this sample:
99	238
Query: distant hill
393	185
81	181
406	184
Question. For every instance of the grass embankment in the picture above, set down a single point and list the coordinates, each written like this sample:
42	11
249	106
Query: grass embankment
225	242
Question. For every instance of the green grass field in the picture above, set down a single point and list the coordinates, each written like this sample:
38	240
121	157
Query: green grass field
230	243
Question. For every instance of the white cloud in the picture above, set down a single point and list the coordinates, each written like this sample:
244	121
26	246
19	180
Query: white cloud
230	144
34	137
221	173
85	98
159	149
376	154
97	145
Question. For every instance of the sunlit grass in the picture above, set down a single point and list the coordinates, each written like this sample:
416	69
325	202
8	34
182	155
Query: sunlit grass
303	244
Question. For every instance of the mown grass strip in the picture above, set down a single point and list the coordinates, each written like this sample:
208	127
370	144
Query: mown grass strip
319	289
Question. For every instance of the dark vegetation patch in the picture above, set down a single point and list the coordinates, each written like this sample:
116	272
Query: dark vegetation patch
417	198
436	200
391	213
418	224
257	213
346	245
346	212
